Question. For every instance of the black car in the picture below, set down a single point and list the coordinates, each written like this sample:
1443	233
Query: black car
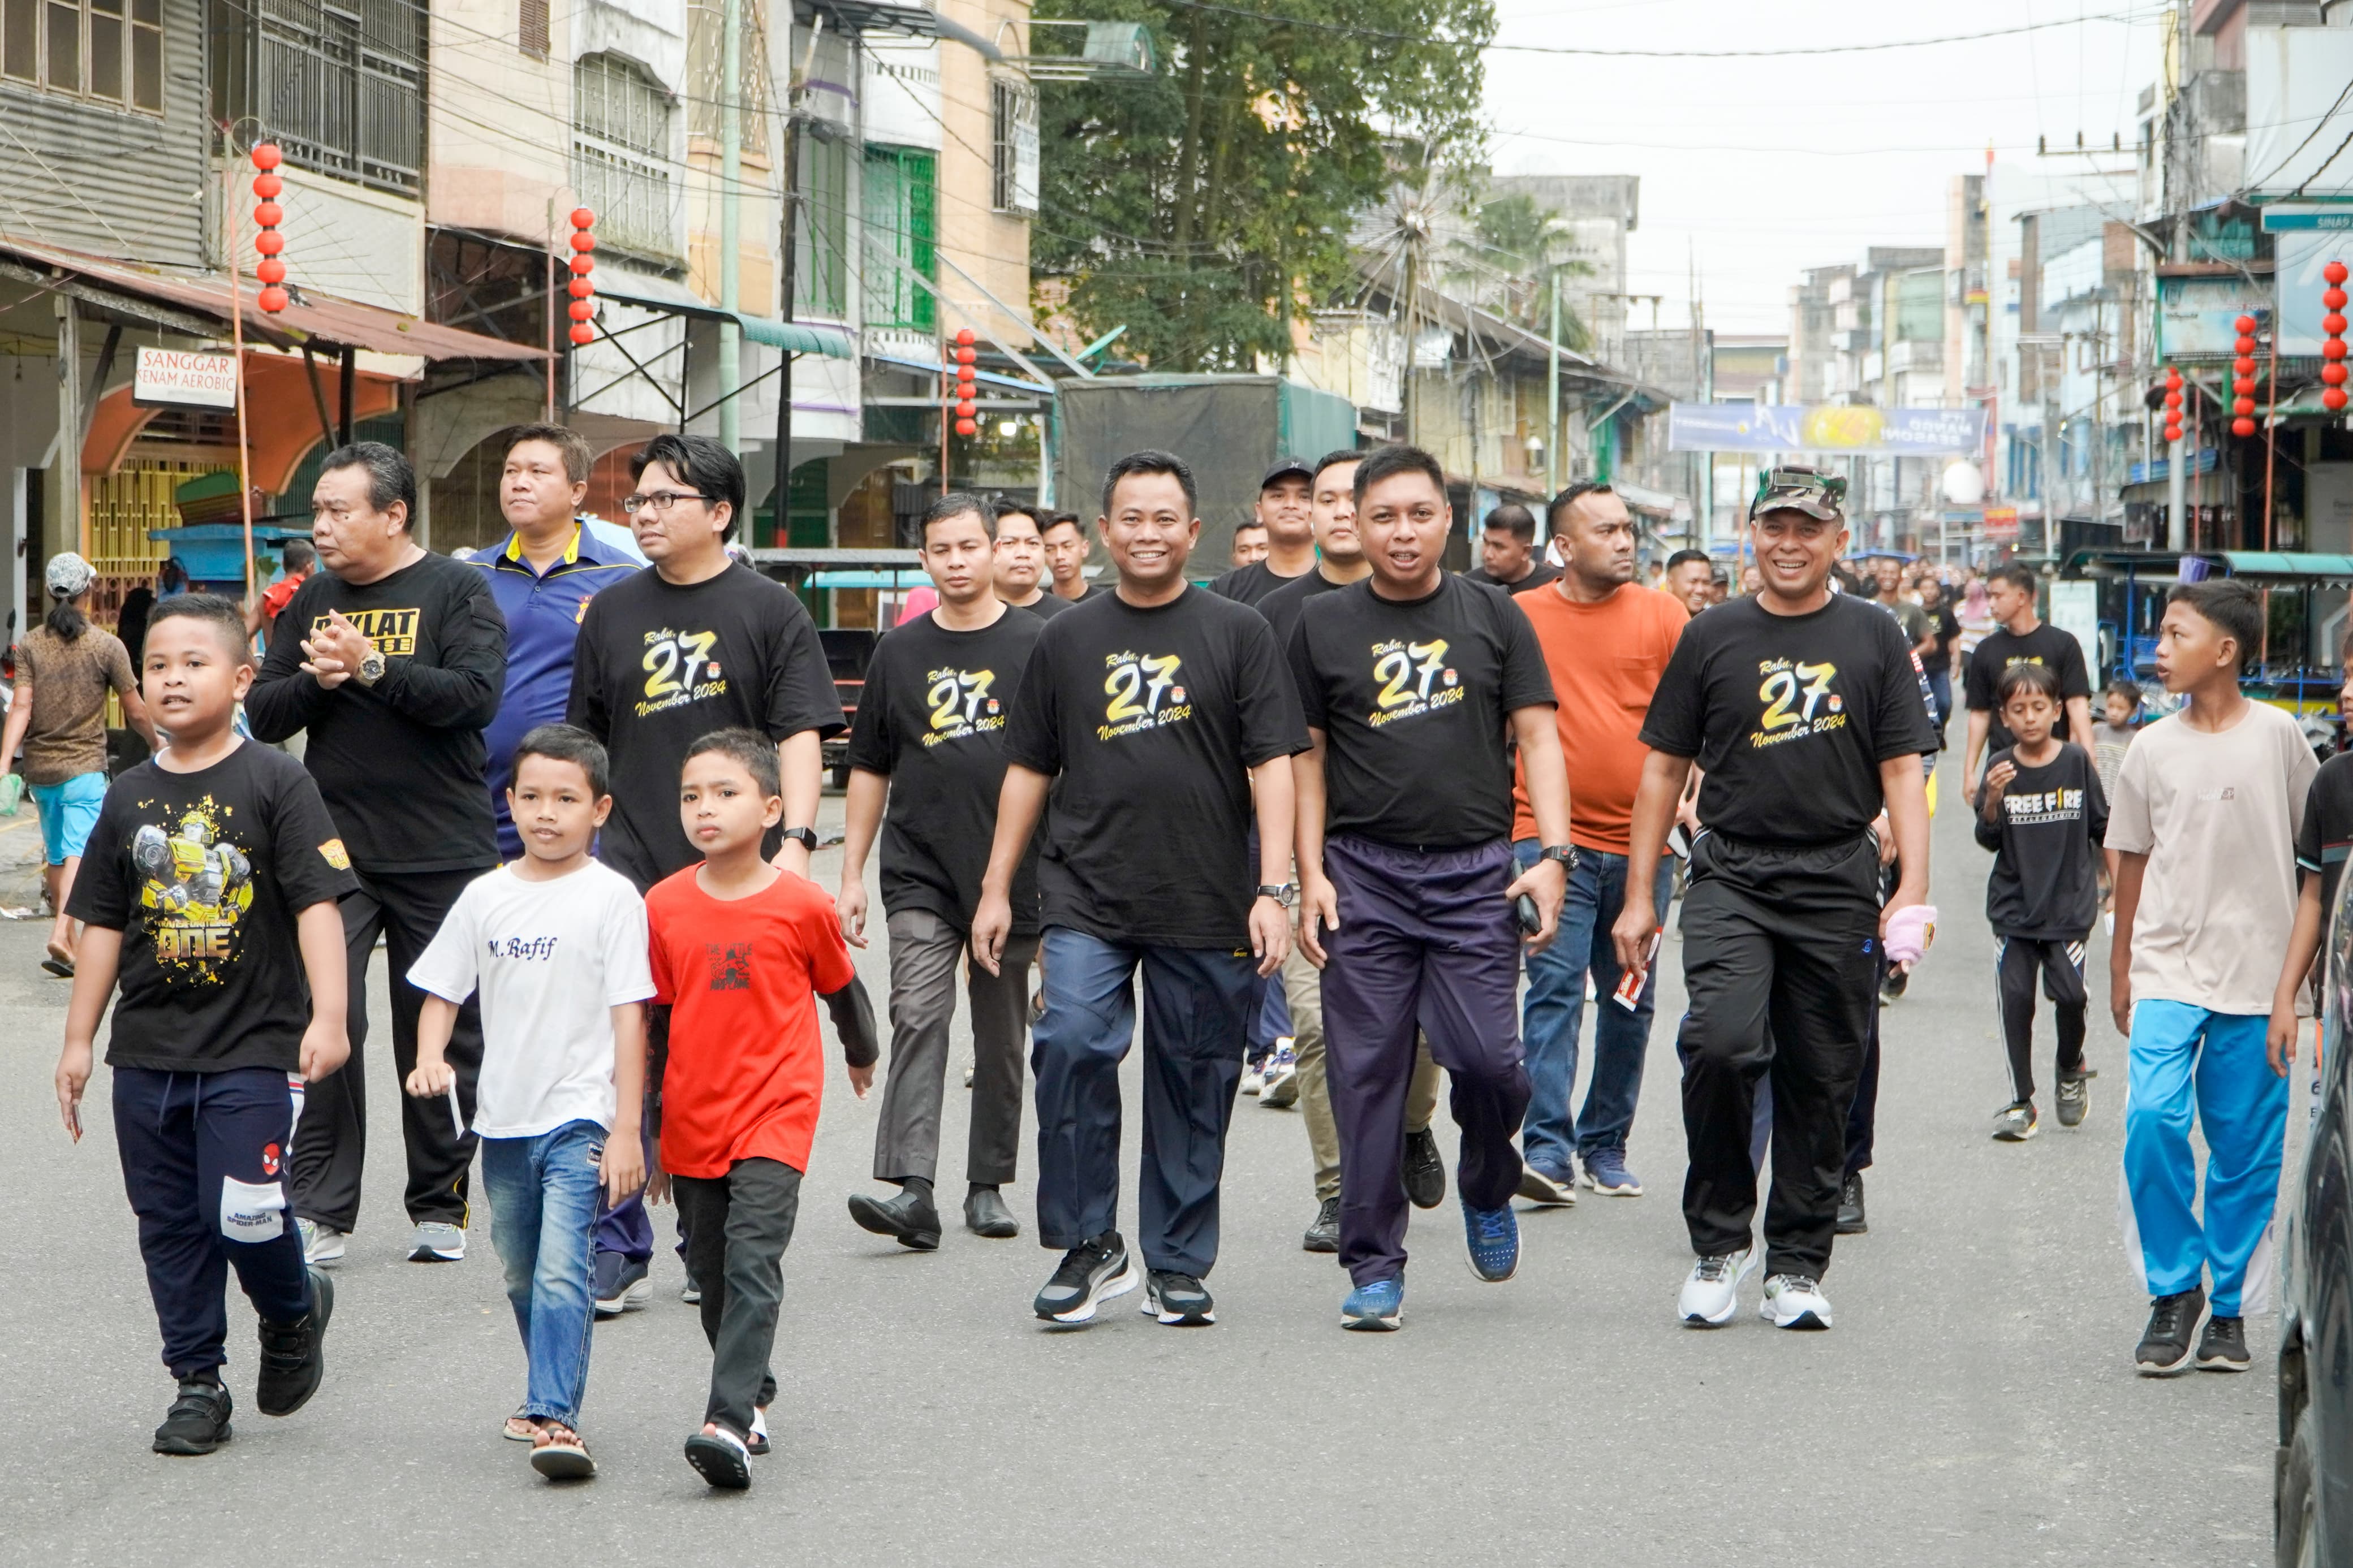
2313	1490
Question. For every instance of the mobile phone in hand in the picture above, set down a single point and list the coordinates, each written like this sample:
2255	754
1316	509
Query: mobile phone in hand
1531	919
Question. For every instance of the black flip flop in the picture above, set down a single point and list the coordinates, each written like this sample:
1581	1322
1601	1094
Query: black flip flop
720	1459
61	967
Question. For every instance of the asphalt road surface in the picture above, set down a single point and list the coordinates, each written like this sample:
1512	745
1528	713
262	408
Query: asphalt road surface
1974	1403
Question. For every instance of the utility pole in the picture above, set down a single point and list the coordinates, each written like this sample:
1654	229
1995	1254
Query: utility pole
731	225
1412	304
1551	398
794	89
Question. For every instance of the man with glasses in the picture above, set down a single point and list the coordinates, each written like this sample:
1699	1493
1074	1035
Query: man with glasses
695	643
1804	709
392	659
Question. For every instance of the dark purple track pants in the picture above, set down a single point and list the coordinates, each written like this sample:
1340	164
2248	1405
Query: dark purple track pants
1426	942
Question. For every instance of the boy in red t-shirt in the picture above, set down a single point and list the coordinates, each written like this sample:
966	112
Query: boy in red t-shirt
738	947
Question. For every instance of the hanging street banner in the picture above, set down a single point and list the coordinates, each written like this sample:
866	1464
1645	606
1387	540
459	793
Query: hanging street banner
1795	428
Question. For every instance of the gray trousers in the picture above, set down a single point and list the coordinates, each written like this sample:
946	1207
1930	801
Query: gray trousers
925	950
737	1228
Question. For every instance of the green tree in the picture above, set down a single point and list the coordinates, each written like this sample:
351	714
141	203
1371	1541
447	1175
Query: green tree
1515	252
1208	206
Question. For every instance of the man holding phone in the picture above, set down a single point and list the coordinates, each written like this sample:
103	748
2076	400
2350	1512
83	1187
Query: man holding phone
1414	686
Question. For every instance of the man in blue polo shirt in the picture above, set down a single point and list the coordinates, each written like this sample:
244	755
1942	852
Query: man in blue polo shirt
543	575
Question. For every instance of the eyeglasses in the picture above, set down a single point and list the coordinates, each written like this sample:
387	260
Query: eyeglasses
660	501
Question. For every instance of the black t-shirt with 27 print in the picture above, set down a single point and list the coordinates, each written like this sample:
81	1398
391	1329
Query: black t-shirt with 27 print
659	666
1152	719
931	717
1249	584
1790	717
204	874
1415	700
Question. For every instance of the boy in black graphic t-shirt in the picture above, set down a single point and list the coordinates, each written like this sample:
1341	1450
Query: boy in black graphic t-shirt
1804	710
1160	718
930	740
209	888
1413	684
2044	814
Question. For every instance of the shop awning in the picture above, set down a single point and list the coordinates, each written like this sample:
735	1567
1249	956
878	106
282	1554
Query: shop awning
662	294
990	377
203	304
2286	563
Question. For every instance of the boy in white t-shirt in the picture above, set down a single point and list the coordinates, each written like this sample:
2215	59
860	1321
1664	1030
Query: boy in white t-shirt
556	944
2203	830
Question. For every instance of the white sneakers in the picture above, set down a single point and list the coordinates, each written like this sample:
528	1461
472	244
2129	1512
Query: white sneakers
1795	1302
436	1241
323	1244
1711	1293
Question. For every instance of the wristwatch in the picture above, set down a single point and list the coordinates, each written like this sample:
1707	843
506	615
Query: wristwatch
371	670
1284	893
1564	853
805	836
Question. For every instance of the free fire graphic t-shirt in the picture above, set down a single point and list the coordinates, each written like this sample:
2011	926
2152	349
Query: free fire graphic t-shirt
1150	720
658	665
1790	717
1415	697
204	874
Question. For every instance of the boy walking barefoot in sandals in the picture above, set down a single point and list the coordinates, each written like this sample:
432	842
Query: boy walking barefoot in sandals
557	944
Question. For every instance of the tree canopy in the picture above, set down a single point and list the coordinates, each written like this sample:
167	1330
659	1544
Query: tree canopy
1205	206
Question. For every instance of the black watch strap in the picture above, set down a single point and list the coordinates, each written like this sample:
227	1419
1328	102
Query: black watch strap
806	836
1564	853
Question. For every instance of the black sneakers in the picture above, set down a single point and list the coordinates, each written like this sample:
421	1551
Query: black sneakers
197	1421
2223	1346
293	1355
1178	1300
909	1217
1423	1171
2164	1348
1852	1220
1324	1235
1092	1272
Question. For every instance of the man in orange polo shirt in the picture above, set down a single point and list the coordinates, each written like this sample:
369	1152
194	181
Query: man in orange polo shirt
1606	639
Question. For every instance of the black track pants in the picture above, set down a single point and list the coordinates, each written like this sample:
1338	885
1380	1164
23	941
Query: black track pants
2060	963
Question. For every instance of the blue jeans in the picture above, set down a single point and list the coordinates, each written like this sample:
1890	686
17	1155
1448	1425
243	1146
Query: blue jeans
1940	687
544	1193
1554	1012
1197	1004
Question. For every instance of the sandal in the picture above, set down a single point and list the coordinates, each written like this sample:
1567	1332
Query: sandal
719	1456
560	1455
757	1443
521	1429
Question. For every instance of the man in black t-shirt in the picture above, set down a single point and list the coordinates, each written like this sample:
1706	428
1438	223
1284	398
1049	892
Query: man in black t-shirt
1414	687
1019	569
1285	510
1507	552
692	643
930	741
1946	627
1803	708
1065	540
2020	638
401	666
1161	720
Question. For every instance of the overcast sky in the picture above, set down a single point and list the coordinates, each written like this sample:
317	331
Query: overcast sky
1755	168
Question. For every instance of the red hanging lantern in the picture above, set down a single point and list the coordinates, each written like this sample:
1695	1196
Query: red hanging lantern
968	428
964	337
966	408
583	290
267	186
2332	346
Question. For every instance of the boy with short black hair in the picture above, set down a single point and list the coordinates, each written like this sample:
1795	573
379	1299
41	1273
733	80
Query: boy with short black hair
738	945
2209	804
209	887
557	944
2043	813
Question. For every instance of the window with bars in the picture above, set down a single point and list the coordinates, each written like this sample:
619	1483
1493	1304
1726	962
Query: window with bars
621	156
901	215
1013	145
531	28
705	50
339	86
108	51
821	236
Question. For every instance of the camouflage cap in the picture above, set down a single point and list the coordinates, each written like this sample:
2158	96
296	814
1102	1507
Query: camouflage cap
1797	487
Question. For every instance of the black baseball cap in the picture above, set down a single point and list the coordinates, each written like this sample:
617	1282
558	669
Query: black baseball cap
1284	468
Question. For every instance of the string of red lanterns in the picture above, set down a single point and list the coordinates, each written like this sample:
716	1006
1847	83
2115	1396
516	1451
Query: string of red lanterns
966	357
2172	404
582	287
2242	380
266	215
2332	346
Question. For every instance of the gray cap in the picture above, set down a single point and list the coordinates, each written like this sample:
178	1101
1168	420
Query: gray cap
69	575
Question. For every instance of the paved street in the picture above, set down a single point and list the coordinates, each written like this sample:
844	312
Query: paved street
1975	1404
